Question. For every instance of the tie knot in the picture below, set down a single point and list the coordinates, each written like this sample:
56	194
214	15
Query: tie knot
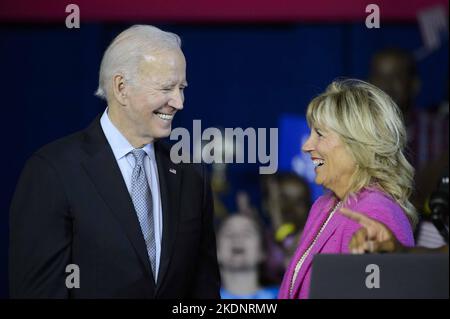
139	155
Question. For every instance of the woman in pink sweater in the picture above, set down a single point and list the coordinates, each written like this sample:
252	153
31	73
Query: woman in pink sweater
356	143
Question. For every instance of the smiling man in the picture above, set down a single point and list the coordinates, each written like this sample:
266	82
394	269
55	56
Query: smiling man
109	200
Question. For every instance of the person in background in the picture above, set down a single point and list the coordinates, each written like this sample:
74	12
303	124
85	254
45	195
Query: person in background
395	71
241	253
286	200
356	144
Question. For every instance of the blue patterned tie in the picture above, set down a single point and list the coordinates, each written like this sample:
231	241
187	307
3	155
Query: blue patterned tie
143	203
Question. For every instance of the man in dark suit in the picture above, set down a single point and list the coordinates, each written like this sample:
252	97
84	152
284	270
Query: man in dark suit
109	202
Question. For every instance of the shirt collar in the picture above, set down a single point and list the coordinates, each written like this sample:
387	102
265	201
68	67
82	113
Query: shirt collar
119	144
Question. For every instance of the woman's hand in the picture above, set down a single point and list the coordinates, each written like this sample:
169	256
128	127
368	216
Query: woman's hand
372	237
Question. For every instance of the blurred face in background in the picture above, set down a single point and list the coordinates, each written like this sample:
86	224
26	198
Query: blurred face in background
294	201
239	244
333	162
393	75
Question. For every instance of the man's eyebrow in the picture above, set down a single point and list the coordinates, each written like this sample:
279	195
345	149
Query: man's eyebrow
167	83
173	83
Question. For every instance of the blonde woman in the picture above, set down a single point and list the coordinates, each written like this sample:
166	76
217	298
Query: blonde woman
356	143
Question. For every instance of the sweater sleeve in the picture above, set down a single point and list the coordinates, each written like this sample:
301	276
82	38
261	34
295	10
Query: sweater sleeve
384	210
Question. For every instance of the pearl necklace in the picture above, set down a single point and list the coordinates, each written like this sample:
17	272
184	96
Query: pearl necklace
306	253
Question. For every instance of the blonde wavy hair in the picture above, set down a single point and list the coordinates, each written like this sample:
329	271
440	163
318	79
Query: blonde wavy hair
371	126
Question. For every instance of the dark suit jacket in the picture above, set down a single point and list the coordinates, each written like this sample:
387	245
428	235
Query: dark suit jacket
72	206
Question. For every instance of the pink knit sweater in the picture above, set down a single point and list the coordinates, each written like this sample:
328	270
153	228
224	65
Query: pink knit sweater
336	236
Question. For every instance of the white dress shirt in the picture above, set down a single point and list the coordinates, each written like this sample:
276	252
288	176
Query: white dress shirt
121	149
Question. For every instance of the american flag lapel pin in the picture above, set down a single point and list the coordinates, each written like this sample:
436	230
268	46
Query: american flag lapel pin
173	171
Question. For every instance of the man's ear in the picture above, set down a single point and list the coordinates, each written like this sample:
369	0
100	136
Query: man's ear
120	89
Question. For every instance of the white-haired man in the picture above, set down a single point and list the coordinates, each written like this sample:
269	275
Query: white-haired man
104	213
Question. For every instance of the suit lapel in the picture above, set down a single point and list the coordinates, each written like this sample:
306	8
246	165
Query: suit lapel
102	168
170	176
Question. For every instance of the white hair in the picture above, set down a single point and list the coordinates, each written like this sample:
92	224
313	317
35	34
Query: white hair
126	51
371	125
